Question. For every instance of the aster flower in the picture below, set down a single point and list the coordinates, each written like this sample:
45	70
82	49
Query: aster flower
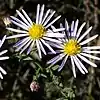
35	33
2	71
73	46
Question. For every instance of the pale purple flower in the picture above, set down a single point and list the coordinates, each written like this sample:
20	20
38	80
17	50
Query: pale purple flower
35	34
73	46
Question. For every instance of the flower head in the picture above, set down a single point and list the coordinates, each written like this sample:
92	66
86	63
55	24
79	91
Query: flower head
72	46
34	86
2	71
6	21
35	33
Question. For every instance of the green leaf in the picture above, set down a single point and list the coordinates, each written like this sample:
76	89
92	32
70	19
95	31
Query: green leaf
43	75
28	58
55	67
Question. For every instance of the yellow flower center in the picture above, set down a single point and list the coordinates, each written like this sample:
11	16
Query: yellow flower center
37	31
72	47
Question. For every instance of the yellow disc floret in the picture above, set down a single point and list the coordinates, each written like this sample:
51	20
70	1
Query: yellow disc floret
72	47
37	31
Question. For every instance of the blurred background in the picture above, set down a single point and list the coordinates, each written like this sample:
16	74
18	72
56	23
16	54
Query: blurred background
46	82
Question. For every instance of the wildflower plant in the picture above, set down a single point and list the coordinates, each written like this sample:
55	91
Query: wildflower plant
35	33
72	46
66	43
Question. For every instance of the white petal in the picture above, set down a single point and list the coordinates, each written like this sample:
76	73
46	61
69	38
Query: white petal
61	25
41	14
55	45
90	56
4	58
60	58
92	47
23	18
67	28
88	40
65	40
88	30
81	65
78	65
16	30
19	21
27	17
3	71
66	25
80	29
57	51
21	41
63	63
55	58
47	45
38	48
47	20
1	76
60	35
73	67
42	48
58	30
26	46
31	46
23	44
48	11
72	28
53	28
75	28
52	22
49	31
2	41
19	25
3	52
52	40
37	14
16	36
87	51
86	60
